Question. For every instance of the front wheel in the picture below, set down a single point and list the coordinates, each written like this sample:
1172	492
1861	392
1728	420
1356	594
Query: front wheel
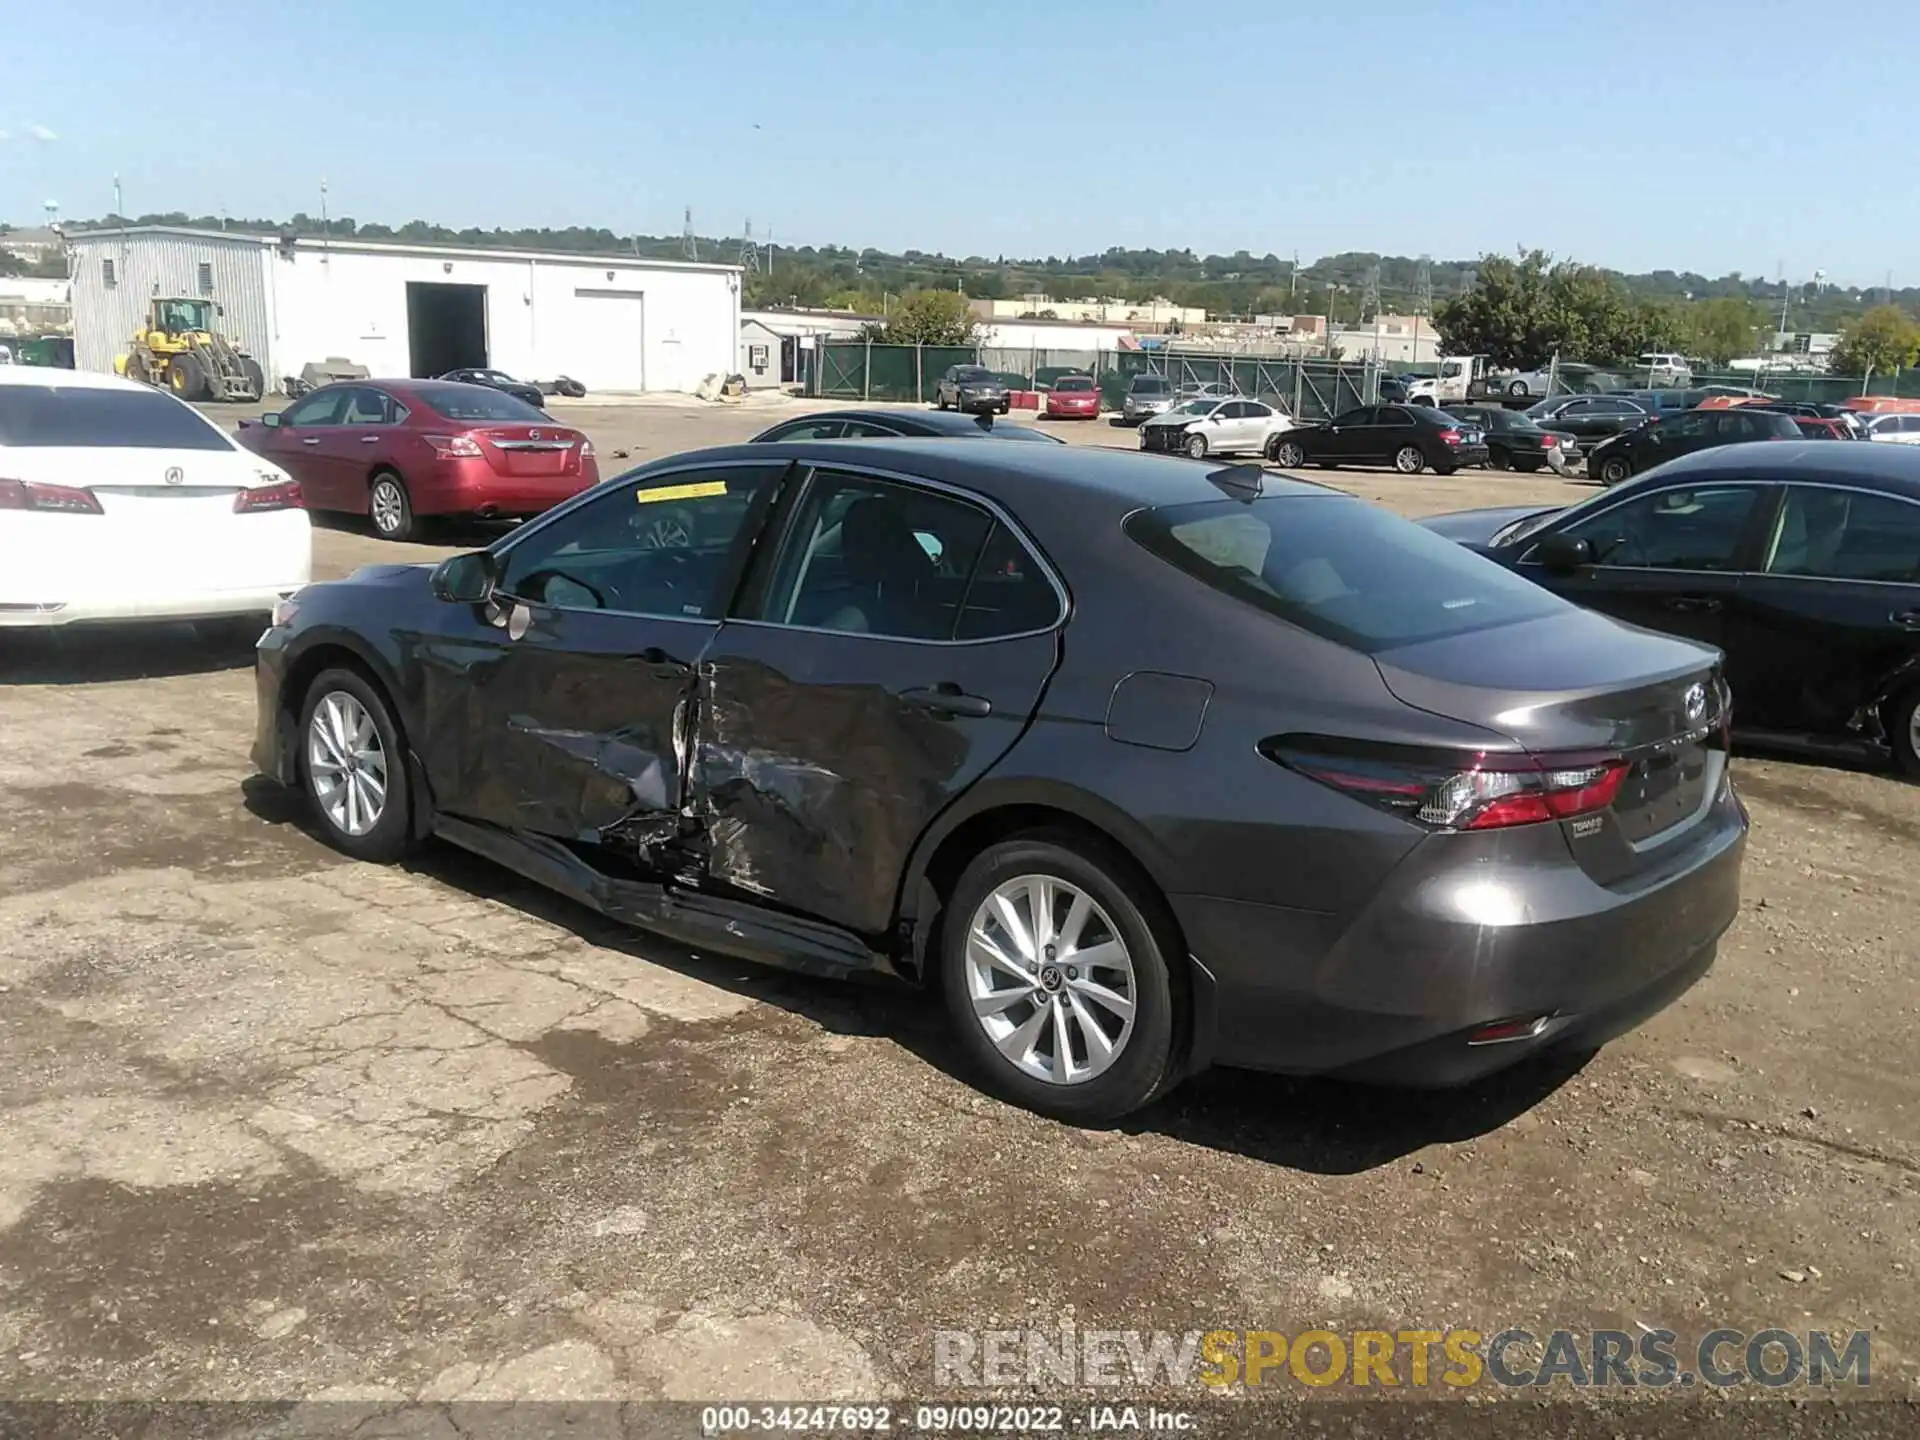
1903	731
1408	460
1197	446
1059	982
390	507
1289	454
1613	470
353	768
1517	389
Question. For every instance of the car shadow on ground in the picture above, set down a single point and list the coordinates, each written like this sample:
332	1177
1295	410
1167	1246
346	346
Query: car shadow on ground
1320	1126
83	655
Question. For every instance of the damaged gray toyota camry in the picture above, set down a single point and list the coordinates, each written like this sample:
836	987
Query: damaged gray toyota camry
1143	764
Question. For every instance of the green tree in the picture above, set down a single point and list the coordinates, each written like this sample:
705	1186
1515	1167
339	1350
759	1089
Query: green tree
1503	316
1720	329
1882	339
929	317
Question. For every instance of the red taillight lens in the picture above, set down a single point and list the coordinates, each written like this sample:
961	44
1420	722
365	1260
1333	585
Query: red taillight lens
285	496
60	499
1451	790
1451	437
455	447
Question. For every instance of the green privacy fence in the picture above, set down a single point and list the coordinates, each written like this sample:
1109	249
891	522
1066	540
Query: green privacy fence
1819	389
1307	389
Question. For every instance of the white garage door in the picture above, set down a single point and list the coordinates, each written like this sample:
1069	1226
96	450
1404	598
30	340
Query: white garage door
608	348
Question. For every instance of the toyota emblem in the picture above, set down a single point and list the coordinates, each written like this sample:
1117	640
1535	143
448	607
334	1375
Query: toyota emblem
175	475
533	434
1696	703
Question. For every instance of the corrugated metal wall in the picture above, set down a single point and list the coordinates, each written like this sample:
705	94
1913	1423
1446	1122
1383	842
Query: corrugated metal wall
147	265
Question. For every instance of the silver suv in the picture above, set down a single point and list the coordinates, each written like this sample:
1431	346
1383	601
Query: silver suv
1149	395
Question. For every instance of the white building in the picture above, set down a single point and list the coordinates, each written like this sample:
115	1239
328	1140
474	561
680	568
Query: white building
610	322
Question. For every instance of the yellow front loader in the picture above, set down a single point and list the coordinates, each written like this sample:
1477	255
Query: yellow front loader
179	348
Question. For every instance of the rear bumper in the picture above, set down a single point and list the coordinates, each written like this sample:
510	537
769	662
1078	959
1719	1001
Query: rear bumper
473	487
198	605
1457	938
1466	455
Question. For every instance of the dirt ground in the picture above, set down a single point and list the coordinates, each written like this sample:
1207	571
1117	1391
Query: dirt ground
274	1124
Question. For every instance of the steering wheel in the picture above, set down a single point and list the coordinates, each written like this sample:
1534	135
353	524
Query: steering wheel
669	529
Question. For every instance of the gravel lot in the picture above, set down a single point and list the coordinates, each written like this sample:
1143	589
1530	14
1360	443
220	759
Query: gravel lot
274	1124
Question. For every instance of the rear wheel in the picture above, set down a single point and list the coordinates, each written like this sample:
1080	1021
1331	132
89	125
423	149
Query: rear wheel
390	507
1526	465
1613	470
1903	731
1056	968
1498	459
353	768
1408	460
1517	389
1289	454
186	379
1197	446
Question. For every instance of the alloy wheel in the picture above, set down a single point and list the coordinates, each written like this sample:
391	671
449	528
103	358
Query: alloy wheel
1913	731
388	506
1290	455
347	764
1408	461
1050	979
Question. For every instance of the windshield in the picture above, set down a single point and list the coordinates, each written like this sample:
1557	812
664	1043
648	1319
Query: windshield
1150	385
1341	568
469	402
1196	407
77	418
178	315
1074	382
972	372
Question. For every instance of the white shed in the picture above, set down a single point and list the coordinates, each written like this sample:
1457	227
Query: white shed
611	322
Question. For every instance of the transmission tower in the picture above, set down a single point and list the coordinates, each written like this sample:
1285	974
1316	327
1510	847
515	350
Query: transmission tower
1423	286
688	245
1370	294
749	252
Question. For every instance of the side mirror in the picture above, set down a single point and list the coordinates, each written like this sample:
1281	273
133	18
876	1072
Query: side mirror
465	579
1563	554
271	420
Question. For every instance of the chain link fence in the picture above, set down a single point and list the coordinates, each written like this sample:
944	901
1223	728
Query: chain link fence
1305	388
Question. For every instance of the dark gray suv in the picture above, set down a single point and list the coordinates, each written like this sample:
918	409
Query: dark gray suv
972	388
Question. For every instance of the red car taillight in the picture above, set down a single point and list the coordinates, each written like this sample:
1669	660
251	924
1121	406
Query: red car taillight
1451	437
60	499
454	447
284	496
1457	790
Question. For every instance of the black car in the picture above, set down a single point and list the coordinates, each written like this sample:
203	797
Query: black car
1659	441
1513	441
1801	561
971	388
884	424
500	380
1590	419
1141	764
1410	438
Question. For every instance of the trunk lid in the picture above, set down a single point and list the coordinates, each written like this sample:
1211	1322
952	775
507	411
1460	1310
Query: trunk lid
1575	682
531	450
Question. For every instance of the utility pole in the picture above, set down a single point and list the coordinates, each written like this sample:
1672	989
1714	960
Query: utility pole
749	252
688	245
119	210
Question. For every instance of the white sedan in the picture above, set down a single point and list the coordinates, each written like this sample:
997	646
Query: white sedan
118	502
1208	426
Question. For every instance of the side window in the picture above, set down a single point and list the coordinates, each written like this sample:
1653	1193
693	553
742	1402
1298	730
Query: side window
1579	407
812	430
1671	529
320	409
661	547
1846	535
871	557
1254	410
1692	426
865	430
1009	593
1350	418
1394	417
370	407
1235	410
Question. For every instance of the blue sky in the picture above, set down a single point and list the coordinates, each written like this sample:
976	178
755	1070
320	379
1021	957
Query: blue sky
1694	134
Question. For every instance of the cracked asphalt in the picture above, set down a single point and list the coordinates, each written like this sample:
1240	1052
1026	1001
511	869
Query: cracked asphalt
277	1125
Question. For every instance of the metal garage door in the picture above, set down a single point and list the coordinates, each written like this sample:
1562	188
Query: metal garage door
609	340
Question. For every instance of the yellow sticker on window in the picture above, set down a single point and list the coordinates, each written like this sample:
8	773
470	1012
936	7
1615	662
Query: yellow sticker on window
695	491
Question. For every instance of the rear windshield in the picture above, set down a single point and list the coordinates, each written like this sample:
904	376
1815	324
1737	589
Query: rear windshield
1151	385
474	402
1341	568
70	417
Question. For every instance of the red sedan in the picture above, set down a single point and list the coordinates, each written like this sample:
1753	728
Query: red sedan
1074	397
397	450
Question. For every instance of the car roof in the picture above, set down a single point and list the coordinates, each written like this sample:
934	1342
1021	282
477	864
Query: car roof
1895	468
944	422
47	377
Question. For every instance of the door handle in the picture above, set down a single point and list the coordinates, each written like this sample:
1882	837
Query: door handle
369	439
311	440
1908	619
1692	602
949	699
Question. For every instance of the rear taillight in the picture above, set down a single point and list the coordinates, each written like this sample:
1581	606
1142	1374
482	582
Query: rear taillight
1457	790
59	499
586	448
455	447
1451	437
284	496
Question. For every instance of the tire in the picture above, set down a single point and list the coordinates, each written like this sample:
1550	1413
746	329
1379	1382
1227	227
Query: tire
255	376
1613	470
1144	1063
1517	389
1498	459
1196	447
1408	460
186	379
1902	720
378	755
390	507
1289	454
1526	466
1006	407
